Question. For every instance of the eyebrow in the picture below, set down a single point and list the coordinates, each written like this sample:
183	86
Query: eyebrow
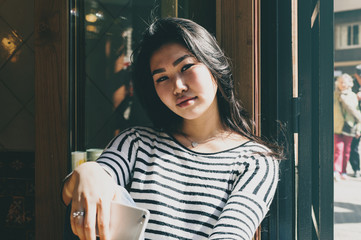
175	63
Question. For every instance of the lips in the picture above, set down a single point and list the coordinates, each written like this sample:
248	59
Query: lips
184	101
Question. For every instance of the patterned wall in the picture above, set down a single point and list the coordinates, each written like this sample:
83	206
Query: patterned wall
17	127
17	119
17	215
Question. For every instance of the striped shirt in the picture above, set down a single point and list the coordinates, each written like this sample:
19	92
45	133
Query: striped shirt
192	195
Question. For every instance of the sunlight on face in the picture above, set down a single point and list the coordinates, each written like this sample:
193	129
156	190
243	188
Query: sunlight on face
344	82
184	85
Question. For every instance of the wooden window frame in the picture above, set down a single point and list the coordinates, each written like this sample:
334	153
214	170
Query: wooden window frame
51	115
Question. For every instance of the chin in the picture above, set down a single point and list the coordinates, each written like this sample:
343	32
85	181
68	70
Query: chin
191	117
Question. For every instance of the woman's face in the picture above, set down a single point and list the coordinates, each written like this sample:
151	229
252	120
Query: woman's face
343	83
184	85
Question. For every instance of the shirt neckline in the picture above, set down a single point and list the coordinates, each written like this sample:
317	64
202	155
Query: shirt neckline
204	153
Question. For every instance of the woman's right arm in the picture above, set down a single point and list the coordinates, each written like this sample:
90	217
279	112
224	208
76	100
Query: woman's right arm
90	189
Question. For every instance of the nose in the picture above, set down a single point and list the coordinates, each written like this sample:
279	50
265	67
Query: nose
179	86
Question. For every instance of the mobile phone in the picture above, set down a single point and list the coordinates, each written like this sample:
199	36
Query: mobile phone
127	222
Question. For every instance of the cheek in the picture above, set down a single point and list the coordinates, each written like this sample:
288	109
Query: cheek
208	82
201	77
163	93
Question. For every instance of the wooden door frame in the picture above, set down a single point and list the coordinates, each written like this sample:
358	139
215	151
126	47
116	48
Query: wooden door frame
277	111
315	167
238	32
303	208
51	114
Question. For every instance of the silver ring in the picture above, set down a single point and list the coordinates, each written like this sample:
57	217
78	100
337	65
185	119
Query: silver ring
78	214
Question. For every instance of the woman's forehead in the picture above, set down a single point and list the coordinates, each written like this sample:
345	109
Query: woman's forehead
345	80
169	54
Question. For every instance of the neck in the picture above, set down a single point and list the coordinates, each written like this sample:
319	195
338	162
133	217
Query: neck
201	130
207	136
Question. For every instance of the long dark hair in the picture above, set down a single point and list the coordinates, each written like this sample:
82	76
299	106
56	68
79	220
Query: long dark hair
205	48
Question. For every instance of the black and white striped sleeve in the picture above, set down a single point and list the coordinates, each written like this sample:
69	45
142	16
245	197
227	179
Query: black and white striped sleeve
119	156
252	194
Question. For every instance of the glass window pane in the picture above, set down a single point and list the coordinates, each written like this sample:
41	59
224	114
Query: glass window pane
347	60
355	35
201	11
343	36
105	34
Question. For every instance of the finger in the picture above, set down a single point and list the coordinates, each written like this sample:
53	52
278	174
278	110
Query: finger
104	220
78	225
90	221
77	221
72	220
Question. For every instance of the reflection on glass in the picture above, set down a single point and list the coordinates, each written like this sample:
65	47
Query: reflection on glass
8	43
74	12
107	35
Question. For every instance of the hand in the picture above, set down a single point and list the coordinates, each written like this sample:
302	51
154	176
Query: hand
358	96
91	191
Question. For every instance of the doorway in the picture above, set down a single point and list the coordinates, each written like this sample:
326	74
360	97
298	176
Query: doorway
347	49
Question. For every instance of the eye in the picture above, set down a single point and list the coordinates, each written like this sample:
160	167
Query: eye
161	79
185	67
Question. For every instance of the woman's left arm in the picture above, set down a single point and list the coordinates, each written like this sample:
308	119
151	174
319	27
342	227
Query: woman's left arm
247	205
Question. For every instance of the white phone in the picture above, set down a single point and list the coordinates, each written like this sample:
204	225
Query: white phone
127	222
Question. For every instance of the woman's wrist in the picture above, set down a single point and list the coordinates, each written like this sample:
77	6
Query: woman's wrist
87	170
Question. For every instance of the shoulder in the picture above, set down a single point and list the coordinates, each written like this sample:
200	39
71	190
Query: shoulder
256	149
258	172
138	135
346	95
257	156
138	131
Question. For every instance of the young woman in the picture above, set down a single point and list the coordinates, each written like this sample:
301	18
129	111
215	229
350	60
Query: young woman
200	171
